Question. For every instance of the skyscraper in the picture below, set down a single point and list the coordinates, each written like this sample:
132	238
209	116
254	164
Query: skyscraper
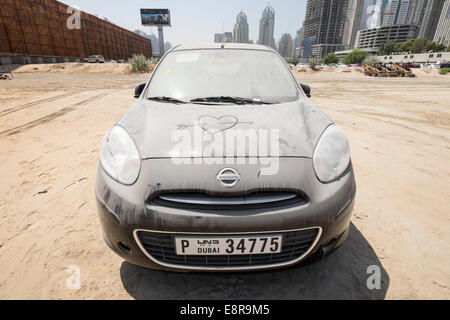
285	46
402	13
352	23
223	37
228	36
371	15
382	5
266	27
219	37
416	11
298	52
430	18
300	37
153	38
240	31
442	34
396	12
390	12
325	20
312	18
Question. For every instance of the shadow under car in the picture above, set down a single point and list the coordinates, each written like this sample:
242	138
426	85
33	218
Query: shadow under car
341	275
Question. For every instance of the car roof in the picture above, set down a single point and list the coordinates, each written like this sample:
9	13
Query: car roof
241	46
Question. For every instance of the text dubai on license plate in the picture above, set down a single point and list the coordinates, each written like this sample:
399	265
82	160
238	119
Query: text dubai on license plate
228	245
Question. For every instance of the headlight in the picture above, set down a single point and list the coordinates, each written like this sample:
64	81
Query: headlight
120	157
332	154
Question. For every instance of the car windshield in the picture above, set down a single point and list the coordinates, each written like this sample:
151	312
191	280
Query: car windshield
212	74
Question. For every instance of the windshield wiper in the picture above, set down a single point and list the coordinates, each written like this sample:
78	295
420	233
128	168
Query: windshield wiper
226	99
166	99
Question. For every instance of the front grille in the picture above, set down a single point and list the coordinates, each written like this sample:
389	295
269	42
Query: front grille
203	201
161	247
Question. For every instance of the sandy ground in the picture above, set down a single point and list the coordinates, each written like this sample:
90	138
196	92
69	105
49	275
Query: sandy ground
77	68
51	127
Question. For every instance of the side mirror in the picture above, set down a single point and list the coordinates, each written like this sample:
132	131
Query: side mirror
306	89
138	90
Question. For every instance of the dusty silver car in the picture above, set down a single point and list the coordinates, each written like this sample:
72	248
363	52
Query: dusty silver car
223	164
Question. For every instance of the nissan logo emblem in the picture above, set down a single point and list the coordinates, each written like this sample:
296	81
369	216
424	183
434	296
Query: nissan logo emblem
228	177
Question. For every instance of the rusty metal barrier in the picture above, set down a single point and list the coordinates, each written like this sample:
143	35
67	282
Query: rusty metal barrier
39	28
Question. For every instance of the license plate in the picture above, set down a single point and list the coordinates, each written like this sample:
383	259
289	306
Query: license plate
228	245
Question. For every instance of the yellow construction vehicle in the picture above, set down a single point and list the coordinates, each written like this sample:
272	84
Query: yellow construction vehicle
390	72
376	71
370	71
402	72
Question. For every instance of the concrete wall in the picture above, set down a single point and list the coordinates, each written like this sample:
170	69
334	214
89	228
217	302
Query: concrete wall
436	57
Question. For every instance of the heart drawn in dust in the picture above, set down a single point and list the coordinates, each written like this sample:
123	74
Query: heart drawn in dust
213	124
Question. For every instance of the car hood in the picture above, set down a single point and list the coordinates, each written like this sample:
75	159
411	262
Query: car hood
166	130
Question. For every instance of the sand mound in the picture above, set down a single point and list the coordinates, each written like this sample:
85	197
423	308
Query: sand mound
125	68
427	72
77	68
304	69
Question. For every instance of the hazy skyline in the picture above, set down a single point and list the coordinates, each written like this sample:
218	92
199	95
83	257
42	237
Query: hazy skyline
198	20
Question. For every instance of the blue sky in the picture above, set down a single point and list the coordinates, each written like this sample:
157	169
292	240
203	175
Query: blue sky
198	20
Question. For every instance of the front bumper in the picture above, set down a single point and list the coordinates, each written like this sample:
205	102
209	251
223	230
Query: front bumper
328	209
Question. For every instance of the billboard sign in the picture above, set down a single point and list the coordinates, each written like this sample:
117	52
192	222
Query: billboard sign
155	17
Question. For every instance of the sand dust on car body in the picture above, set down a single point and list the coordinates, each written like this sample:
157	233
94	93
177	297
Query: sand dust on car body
51	127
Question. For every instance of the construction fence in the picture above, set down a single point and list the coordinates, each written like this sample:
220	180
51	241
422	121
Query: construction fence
39	28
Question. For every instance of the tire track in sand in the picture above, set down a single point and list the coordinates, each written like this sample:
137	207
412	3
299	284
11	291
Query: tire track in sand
50	117
35	103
